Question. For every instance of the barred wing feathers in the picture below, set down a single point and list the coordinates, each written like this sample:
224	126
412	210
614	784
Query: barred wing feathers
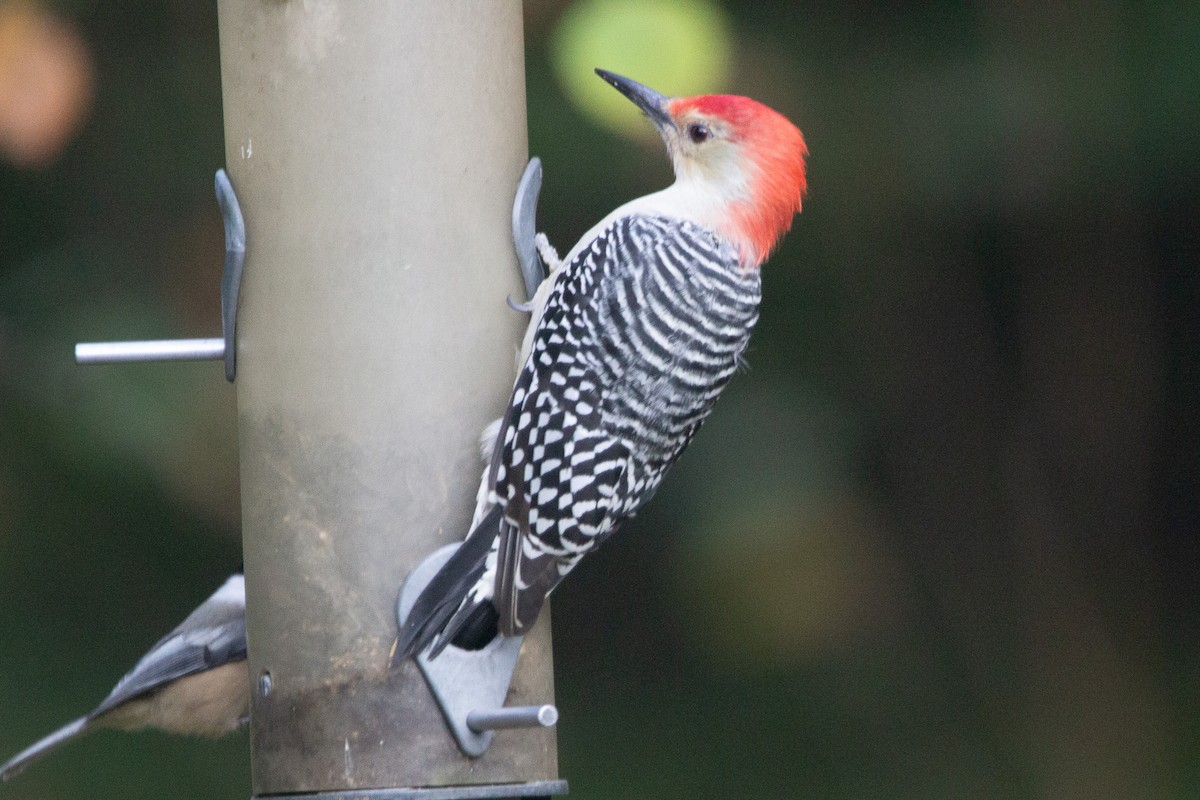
638	337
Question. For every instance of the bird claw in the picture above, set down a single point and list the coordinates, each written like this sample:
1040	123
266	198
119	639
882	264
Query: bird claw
547	252
525	308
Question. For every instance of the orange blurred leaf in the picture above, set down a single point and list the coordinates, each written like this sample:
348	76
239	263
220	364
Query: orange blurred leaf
46	83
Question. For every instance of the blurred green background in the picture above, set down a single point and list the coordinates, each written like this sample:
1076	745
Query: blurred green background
940	540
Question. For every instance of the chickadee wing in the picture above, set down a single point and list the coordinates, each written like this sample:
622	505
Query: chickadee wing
212	635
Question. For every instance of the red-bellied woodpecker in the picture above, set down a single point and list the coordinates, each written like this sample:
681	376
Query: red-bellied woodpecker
633	336
193	681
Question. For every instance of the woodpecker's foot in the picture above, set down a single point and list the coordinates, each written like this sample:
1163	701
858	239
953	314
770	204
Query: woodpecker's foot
547	252
524	308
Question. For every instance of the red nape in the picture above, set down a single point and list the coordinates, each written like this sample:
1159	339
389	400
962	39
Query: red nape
774	153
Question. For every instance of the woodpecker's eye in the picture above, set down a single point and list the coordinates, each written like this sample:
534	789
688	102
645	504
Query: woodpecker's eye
698	132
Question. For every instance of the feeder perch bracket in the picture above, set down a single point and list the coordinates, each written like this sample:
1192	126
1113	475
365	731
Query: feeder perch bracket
214	349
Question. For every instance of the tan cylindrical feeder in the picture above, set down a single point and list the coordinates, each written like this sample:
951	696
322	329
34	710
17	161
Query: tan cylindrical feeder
375	147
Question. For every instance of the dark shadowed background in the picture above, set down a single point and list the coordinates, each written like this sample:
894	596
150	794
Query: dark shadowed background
938	542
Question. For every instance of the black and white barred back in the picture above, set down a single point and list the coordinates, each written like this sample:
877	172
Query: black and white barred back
639	336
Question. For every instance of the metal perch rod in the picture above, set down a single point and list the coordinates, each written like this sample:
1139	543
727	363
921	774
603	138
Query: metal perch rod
161	350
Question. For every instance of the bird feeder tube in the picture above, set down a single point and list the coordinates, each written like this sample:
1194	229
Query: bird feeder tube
375	147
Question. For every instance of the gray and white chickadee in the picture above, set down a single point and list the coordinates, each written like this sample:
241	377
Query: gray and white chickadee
193	681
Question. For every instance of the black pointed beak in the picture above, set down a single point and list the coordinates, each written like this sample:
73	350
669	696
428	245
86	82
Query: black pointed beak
645	98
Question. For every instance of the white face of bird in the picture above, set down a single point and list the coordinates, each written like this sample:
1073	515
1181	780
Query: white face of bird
233	591
704	151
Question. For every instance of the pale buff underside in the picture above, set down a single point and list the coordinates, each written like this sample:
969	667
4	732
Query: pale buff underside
210	703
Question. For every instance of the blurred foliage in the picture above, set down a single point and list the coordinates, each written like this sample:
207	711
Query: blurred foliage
939	540
680	47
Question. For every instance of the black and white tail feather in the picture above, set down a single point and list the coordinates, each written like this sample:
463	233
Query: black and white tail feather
441	611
